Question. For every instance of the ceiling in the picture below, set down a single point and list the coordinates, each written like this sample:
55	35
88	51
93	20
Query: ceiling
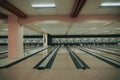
64	7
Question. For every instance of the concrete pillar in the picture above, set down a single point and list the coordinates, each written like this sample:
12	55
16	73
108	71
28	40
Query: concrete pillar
45	40
15	38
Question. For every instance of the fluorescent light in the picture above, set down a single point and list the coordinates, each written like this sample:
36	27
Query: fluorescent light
117	28
5	29
51	21
110	4
96	21
105	31
47	5
109	23
94	28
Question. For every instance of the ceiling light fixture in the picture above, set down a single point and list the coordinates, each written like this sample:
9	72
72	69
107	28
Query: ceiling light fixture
117	28
110	4
51	21
94	28
5	29
46	5
109	23
105	31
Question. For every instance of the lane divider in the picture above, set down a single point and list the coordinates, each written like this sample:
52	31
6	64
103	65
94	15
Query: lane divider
112	62
47	62
79	63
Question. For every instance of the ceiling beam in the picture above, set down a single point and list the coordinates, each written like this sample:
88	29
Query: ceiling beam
3	16
78	5
11	8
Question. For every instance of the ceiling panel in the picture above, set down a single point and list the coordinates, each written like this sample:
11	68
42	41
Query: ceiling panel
4	30
59	10
54	28
64	7
95	28
90	27
93	7
30	32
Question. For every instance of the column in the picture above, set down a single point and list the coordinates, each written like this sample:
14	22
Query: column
45	40
15	38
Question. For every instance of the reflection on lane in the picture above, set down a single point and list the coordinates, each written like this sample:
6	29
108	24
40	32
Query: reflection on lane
32	61
63	60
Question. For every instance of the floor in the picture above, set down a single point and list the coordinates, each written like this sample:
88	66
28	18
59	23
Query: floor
63	68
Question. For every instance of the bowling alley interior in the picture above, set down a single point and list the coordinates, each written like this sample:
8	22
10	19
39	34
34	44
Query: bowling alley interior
59	39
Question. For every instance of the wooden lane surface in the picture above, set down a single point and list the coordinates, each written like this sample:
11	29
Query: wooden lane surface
95	73
63	60
109	48
32	61
113	49
117	58
3	48
92	61
116	52
99	70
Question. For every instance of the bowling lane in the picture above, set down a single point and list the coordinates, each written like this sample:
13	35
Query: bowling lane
117	58
104	49
2	56
113	49
91	61
3	49
63	60
5	55
32	61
